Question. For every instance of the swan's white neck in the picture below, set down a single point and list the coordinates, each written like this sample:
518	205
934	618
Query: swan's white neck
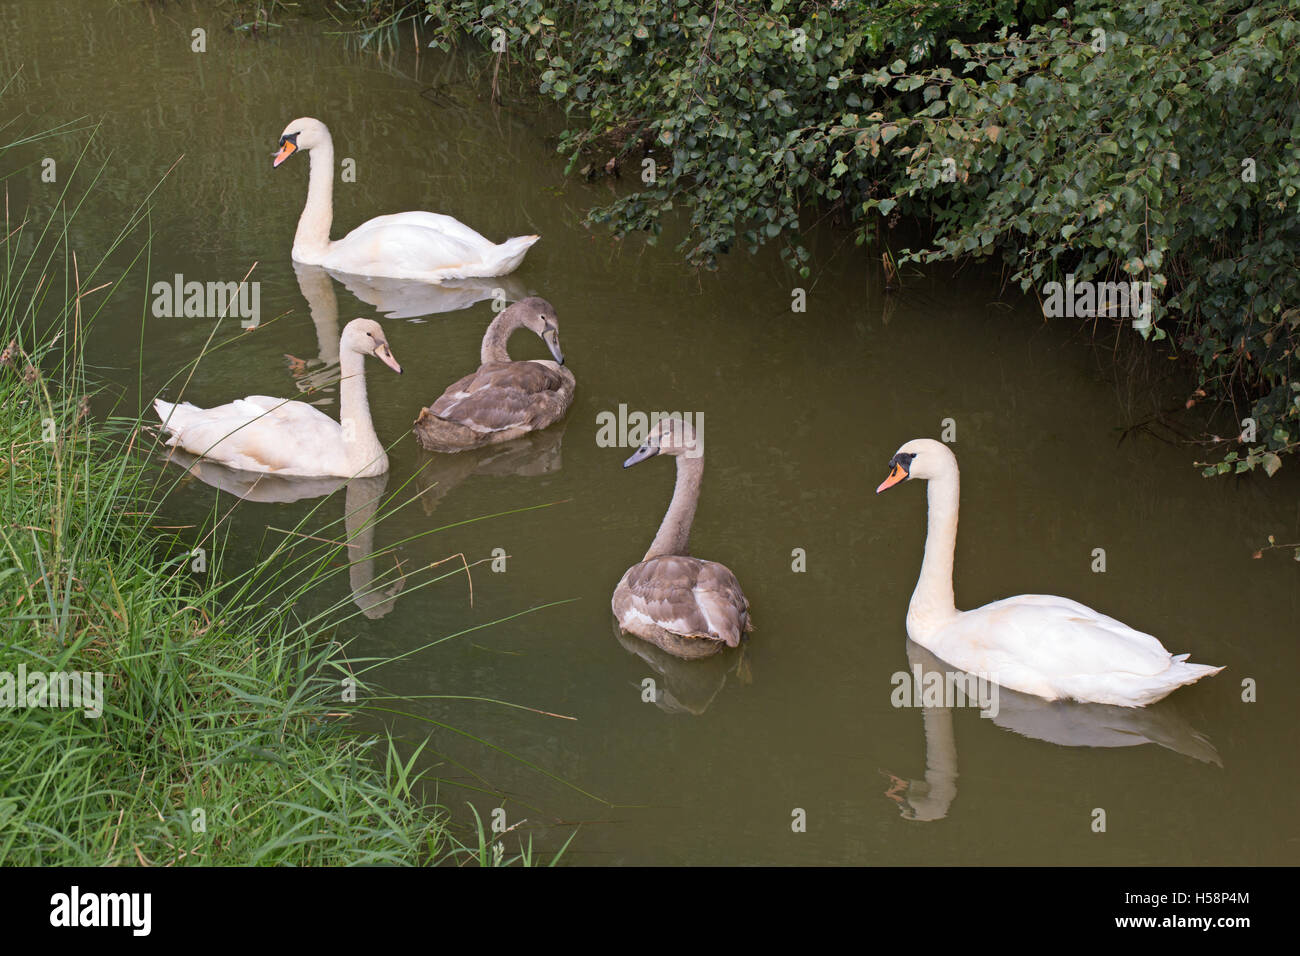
312	240
932	604
674	535
365	455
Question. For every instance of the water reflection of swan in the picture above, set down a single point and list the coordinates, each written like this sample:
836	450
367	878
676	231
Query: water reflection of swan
409	299
1065	723
395	298
362	498
317	288
535	454
686	687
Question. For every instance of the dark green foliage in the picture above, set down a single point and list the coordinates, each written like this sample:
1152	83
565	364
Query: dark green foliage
735	102
1133	140
1148	141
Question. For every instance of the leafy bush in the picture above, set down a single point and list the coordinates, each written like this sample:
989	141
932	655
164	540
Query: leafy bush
1149	141
1152	140
734	103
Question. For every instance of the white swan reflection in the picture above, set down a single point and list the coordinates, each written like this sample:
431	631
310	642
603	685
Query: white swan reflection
362	498
409	299
1062	722
394	298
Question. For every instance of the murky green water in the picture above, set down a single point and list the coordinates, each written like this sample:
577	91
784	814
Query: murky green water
802	413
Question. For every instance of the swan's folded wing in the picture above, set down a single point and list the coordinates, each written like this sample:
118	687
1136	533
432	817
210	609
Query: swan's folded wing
1056	637
503	395
686	596
445	226
288	411
257	433
391	244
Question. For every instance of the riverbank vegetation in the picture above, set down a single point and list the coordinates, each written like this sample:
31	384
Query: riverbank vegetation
1109	141
215	734
150	714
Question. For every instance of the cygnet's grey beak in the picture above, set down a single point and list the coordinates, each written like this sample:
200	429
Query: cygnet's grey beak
552	339
641	454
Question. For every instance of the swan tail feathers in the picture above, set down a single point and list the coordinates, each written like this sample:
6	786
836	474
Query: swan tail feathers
165	411
1191	673
509	254
1179	674
172	415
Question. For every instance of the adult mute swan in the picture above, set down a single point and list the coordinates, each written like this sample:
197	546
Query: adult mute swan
1038	644
689	607
503	400
283	437
407	245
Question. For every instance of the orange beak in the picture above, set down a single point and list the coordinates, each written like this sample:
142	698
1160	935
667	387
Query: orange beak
287	149
896	474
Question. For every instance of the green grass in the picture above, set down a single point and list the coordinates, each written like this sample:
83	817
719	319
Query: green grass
213	711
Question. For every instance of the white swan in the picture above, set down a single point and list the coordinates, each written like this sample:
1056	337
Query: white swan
1038	644
407	245
283	437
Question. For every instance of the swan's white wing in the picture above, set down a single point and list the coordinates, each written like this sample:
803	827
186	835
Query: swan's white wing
1037	645
1057	636
425	246
446	226
401	249
1054	647
257	433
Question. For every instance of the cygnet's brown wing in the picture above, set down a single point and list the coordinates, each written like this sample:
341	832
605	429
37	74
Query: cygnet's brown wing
685	596
506	395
